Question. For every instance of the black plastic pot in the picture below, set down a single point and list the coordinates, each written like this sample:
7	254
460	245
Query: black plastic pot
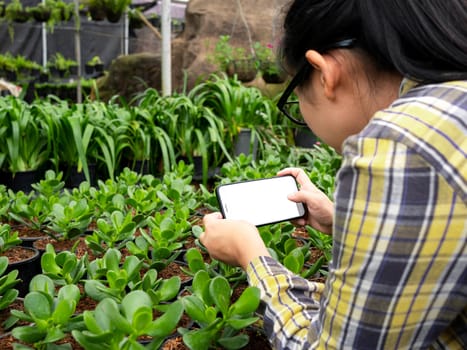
245	144
27	269
20	181
304	138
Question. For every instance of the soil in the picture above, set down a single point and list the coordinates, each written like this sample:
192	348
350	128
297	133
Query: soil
173	269
258	341
5	314
18	253
78	245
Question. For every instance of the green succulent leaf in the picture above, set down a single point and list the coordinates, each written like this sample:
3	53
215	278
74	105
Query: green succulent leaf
220	291
38	305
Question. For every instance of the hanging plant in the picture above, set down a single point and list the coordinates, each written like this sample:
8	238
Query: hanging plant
267	64
41	12
115	8
234	60
15	12
96	10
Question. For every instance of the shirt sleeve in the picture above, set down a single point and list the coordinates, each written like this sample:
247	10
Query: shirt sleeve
291	303
397	278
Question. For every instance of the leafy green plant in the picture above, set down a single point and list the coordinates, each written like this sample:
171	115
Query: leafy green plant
115	8
107	279
94	61
326	162
223	52
69	218
112	232
239	107
51	317
30	210
27	142
8	239
160	243
50	185
63	267
220	321
61	63
196	262
16	12
117	327
8	294
73	131
321	241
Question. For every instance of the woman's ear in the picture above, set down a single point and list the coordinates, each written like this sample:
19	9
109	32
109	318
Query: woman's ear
328	69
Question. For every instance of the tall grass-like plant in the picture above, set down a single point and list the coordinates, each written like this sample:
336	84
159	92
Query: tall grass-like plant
198	132
26	140
144	139
239	107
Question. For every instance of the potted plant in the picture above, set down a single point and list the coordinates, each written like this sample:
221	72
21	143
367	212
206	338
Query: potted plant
40	12
233	60
62	64
15	12
267	64
23	259
114	326
2	9
96	9
220	322
95	64
26	147
8	280
115	8
64	10
51	316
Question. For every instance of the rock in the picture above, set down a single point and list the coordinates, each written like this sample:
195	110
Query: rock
206	20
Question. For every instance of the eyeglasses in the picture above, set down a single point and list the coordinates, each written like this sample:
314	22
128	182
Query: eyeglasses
290	108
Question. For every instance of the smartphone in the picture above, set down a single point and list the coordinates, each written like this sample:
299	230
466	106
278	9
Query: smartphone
260	202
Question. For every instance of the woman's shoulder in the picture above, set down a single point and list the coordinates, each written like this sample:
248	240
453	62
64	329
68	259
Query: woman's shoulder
431	122
430	114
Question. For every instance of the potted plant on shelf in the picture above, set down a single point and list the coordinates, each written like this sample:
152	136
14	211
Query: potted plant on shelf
234	60
267	64
115	8
16	12
94	65
96	9
2	9
40	12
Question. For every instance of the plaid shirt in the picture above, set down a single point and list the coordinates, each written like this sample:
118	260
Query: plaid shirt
398	278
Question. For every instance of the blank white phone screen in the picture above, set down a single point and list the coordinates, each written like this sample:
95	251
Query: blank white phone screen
260	201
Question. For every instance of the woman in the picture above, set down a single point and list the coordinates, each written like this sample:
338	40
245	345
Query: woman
385	83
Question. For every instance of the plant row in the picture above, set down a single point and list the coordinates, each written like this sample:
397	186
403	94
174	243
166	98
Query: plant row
152	129
134	226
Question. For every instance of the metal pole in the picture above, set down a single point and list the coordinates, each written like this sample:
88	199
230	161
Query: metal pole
79	95
126	39
166	49
44	43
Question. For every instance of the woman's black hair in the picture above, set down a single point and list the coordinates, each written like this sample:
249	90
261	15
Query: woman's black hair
314	24
424	40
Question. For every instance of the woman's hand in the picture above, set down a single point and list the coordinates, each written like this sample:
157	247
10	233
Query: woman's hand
320	209
232	241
